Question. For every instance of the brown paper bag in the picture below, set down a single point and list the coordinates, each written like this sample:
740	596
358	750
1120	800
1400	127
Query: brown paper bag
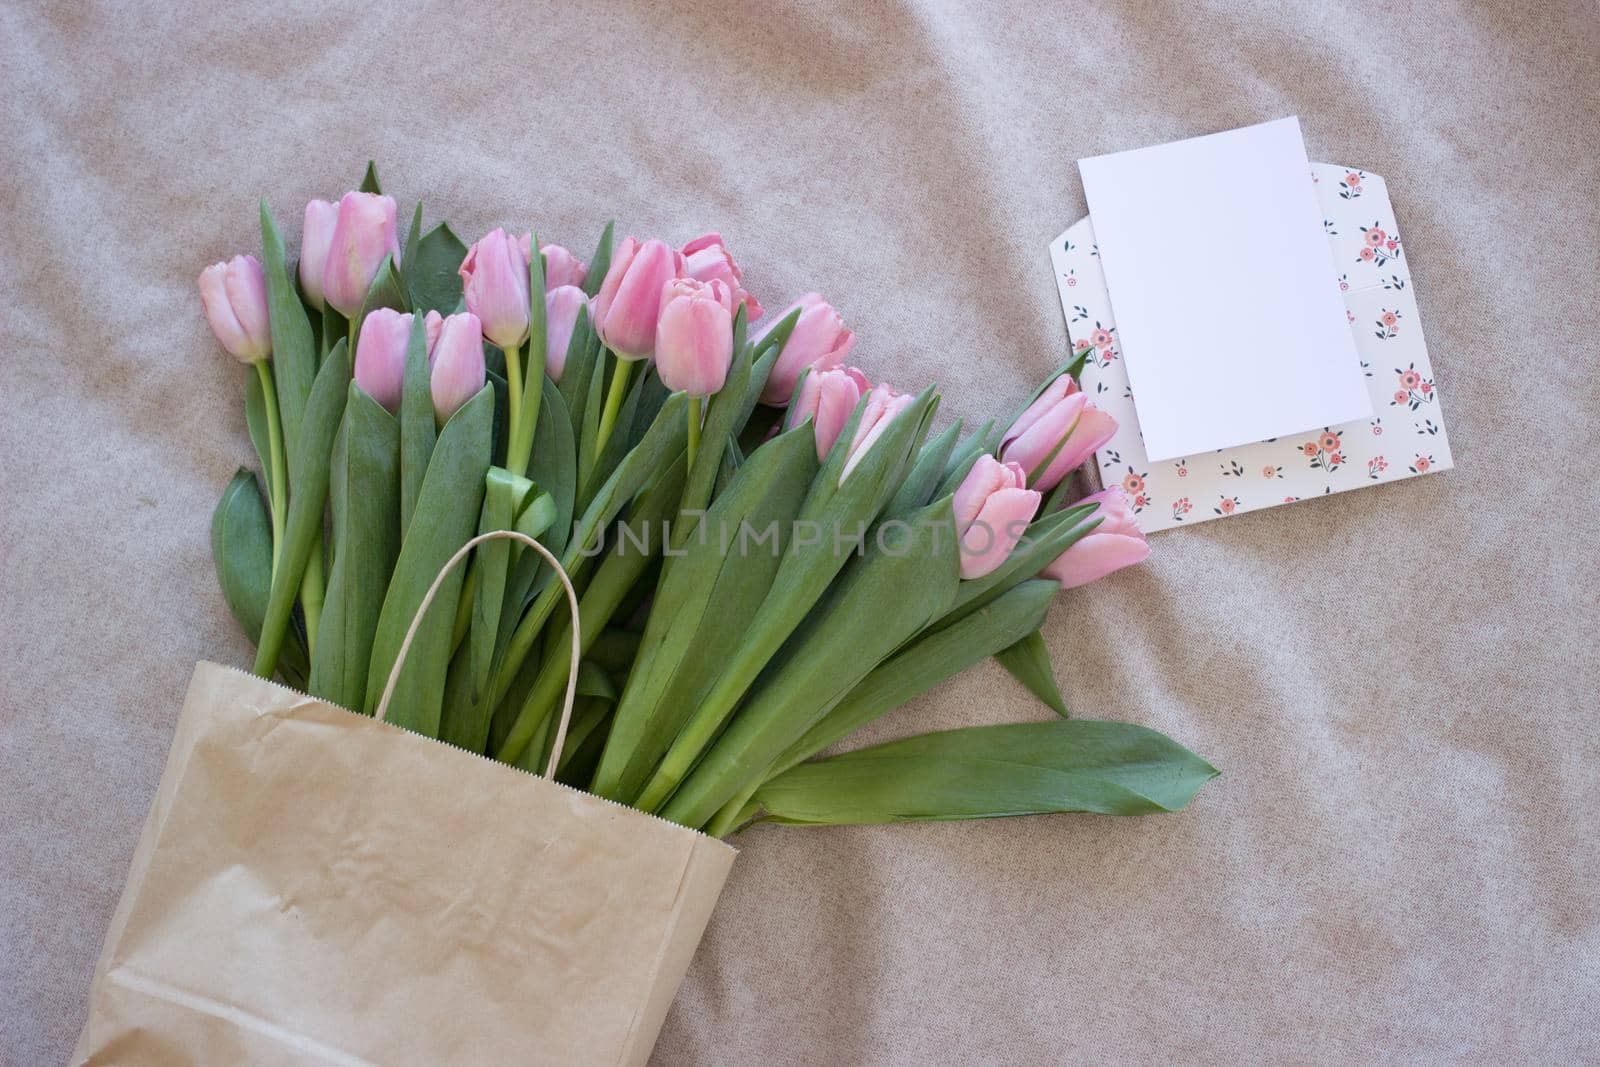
316	886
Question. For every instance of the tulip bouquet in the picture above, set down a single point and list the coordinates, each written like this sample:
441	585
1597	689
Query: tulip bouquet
771	550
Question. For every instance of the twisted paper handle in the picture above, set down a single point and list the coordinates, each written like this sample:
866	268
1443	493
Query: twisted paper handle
572	602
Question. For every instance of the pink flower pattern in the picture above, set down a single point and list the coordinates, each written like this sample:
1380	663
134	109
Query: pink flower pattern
1382	313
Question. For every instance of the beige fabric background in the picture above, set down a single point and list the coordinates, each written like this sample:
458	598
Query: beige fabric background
1400	860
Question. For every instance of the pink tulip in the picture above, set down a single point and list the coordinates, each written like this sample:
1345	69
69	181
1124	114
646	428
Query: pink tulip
819	341
829	398
1063	422
432	326
560	266
316	237
993	507
629	301
494	278
380	368
1116	543
233	296
561	307
457	359
884	405
363	235
694	336
707	259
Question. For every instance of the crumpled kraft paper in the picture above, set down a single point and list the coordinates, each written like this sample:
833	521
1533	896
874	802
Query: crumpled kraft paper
313	886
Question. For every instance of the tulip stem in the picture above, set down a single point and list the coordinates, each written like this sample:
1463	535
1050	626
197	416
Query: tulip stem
694	428
514	409
278	476
608	414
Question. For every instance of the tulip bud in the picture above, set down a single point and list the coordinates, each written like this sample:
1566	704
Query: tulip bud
707	259
457	359
316	237
233	296
380	368
363	235
629	301
560	266
432	324
1116	543
828	398
694	336
1061	424
561	307
884	405
819	341
993	507
494	278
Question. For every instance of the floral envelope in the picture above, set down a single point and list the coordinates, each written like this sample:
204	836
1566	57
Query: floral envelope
1404	438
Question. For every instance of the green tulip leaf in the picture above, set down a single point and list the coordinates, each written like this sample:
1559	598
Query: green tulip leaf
930	660
308	481
294	348
587	420
386	291
409	249
982	772
241	550
418	431
636	544
446	515
728	411
364	491
903	583
615	650
433	271
600	262
705	601
583	349
662	445
918	488
1029	663
255	420
837	512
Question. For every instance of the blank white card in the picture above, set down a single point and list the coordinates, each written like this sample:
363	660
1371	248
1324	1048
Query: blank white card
1225	293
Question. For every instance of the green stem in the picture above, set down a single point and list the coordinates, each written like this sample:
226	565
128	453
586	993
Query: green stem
694	428
313	591
514	410
352	336
278	489
608	414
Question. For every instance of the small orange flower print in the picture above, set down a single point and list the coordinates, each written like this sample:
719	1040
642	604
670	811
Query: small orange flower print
1269	471
1330	441
1391	244
1133	485
1402	397
1366	253
1100	339
1309	448
1352	179
1335	458
1388	318
1376	237
1422	464
1409	379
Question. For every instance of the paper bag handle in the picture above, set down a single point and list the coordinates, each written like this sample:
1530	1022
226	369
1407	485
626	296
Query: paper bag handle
572	602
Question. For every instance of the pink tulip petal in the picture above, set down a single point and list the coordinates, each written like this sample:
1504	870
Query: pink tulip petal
999	525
